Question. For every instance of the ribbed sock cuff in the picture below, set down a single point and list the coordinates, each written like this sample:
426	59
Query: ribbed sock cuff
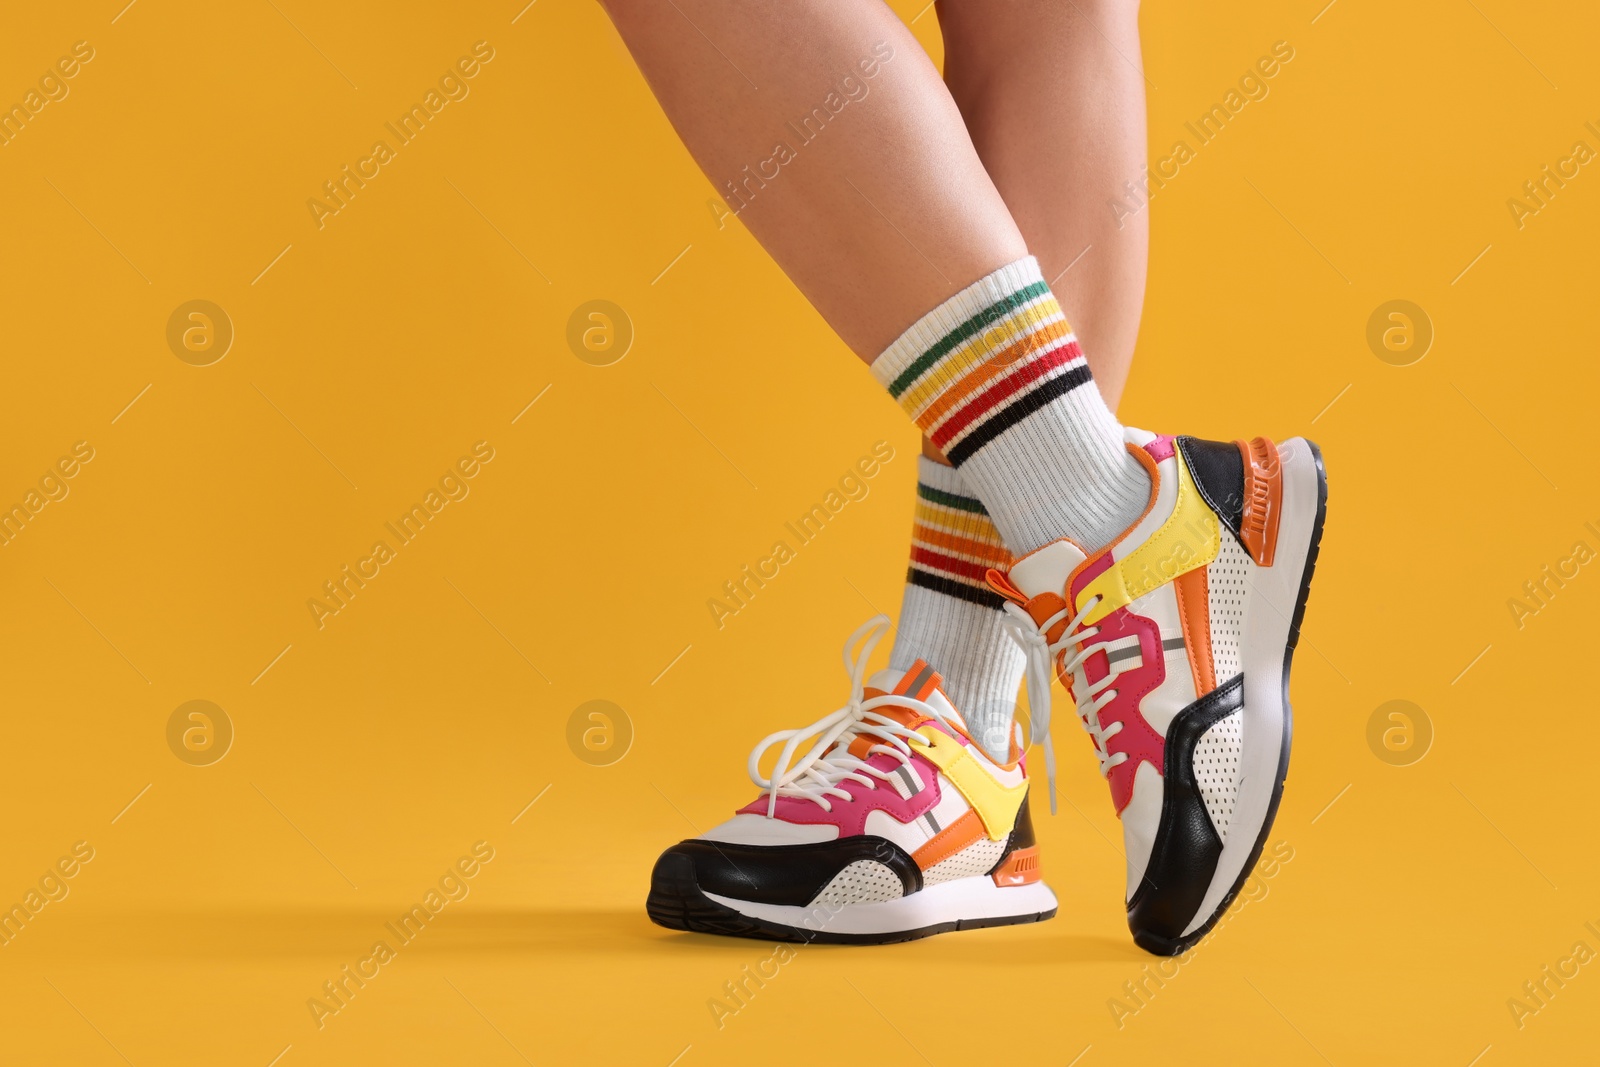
995	378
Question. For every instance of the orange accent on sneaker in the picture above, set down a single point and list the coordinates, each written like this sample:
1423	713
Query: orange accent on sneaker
919	681
952	839
1194	609
1001	583
1042	607
1019	868
860	746
1263	499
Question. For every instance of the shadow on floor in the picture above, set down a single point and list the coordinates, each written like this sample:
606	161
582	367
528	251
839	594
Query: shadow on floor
287	935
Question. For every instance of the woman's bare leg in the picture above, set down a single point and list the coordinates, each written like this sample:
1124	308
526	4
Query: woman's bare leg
851	164
992	373
827	127
1053	97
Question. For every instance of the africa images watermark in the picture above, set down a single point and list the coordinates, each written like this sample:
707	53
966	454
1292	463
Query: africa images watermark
1207	128
739	992
1537	192
738	592
1138	992
340	590
52	487
52	886
849	89
452	86
1539	991
52	88
452	886
1539	591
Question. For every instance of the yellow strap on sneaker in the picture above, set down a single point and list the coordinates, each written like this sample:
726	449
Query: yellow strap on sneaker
995	803
1190	538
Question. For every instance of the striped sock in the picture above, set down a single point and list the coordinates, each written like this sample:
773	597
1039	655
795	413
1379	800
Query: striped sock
996	380
949	616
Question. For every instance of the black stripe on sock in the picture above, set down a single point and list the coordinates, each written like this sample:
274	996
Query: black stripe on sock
1027	405
987	598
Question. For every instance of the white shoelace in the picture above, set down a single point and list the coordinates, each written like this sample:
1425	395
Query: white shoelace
1041	653
820	774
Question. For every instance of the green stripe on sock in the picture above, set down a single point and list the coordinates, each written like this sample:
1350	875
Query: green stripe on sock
963	333
949	500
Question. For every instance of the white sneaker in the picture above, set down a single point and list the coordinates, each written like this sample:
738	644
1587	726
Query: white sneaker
893	825
1176	642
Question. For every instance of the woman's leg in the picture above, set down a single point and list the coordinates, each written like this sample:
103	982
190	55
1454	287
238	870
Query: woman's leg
827	128
992	374
1017	68
1053	96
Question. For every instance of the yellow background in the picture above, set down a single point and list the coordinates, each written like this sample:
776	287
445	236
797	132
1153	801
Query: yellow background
428	713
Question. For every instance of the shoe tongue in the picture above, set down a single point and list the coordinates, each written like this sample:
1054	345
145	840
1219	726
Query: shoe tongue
1047	569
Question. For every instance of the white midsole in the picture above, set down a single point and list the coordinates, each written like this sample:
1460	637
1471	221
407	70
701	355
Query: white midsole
960	899
1269	612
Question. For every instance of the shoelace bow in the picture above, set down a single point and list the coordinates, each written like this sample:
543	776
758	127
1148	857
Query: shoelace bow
821	773
1075	645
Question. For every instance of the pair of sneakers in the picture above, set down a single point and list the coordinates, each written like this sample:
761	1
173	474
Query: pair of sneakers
886	821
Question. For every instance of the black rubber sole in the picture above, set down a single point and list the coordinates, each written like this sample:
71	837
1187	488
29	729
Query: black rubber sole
1162	946
677	903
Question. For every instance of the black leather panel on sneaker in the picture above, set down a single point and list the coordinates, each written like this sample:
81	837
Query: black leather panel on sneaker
1184	856
788	874
1218	471
1021	836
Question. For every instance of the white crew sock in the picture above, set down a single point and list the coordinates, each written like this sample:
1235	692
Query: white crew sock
950	617
995	378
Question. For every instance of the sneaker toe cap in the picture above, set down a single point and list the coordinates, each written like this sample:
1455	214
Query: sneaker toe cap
791	874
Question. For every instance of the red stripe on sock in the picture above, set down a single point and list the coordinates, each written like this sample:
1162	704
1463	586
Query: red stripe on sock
1003	390
949	564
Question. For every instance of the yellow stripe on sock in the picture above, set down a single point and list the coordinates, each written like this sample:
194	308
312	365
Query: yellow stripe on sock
953	367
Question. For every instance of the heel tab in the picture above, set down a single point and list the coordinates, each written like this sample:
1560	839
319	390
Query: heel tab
1263	499
1001	583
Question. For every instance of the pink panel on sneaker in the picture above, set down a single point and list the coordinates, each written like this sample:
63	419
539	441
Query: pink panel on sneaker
1137	737
851	816
1161	448
1090	570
